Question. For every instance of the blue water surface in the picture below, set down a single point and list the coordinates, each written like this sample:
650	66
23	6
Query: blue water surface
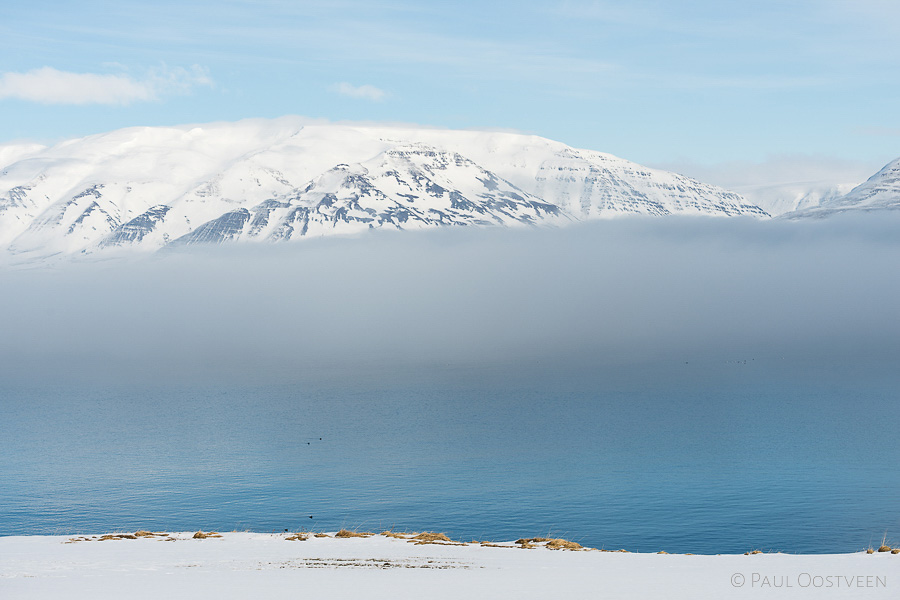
714	456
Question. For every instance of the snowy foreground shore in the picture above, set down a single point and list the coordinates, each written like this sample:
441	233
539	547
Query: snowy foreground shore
254	565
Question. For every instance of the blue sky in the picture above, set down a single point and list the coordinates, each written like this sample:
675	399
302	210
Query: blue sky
652	81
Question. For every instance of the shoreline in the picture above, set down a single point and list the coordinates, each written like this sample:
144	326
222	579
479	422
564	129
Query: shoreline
383	565
439	539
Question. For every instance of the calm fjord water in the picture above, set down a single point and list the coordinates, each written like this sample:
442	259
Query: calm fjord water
704	457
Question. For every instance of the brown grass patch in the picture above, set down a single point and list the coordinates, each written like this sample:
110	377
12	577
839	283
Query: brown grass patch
662	552
551	543
493	545
321	535
431	536
297	537
884	548
114	536
560	544
536	540
117	536
344	533
202	536
895	551
399	536
438	543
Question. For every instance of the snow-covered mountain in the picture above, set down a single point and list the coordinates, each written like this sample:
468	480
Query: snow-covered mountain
880	192
284	179
778	199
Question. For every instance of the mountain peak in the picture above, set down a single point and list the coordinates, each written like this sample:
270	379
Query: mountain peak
282	179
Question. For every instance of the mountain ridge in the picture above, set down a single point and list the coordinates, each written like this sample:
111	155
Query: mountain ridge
259	180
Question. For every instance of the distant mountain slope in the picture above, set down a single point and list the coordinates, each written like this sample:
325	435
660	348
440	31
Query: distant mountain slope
781	198
283	179
880	192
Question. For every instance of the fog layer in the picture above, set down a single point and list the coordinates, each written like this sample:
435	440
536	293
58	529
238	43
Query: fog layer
603	293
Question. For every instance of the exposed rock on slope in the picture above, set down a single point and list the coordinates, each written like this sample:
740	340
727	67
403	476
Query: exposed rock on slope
284	179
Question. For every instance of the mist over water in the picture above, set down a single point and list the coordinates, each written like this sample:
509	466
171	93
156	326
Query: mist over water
624	290
703	385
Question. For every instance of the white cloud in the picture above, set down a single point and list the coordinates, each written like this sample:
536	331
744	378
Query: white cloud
366	92
51	86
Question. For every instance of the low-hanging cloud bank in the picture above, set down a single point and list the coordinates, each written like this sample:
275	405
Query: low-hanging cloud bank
47	85
600	293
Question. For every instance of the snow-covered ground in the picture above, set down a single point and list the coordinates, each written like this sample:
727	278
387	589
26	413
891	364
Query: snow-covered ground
254	565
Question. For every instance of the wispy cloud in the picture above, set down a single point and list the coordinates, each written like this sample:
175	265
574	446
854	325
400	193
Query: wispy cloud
52	86
364	92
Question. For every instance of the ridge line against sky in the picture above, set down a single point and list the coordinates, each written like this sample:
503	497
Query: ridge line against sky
652	81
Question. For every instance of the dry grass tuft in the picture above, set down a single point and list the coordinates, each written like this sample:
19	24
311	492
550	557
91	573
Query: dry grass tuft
117	536
297	537
662	552
493	545
399	536
870	550
538	542
344	533
321	535
551	543
430	536
895	551
560	544
884	548
142	533
202	536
